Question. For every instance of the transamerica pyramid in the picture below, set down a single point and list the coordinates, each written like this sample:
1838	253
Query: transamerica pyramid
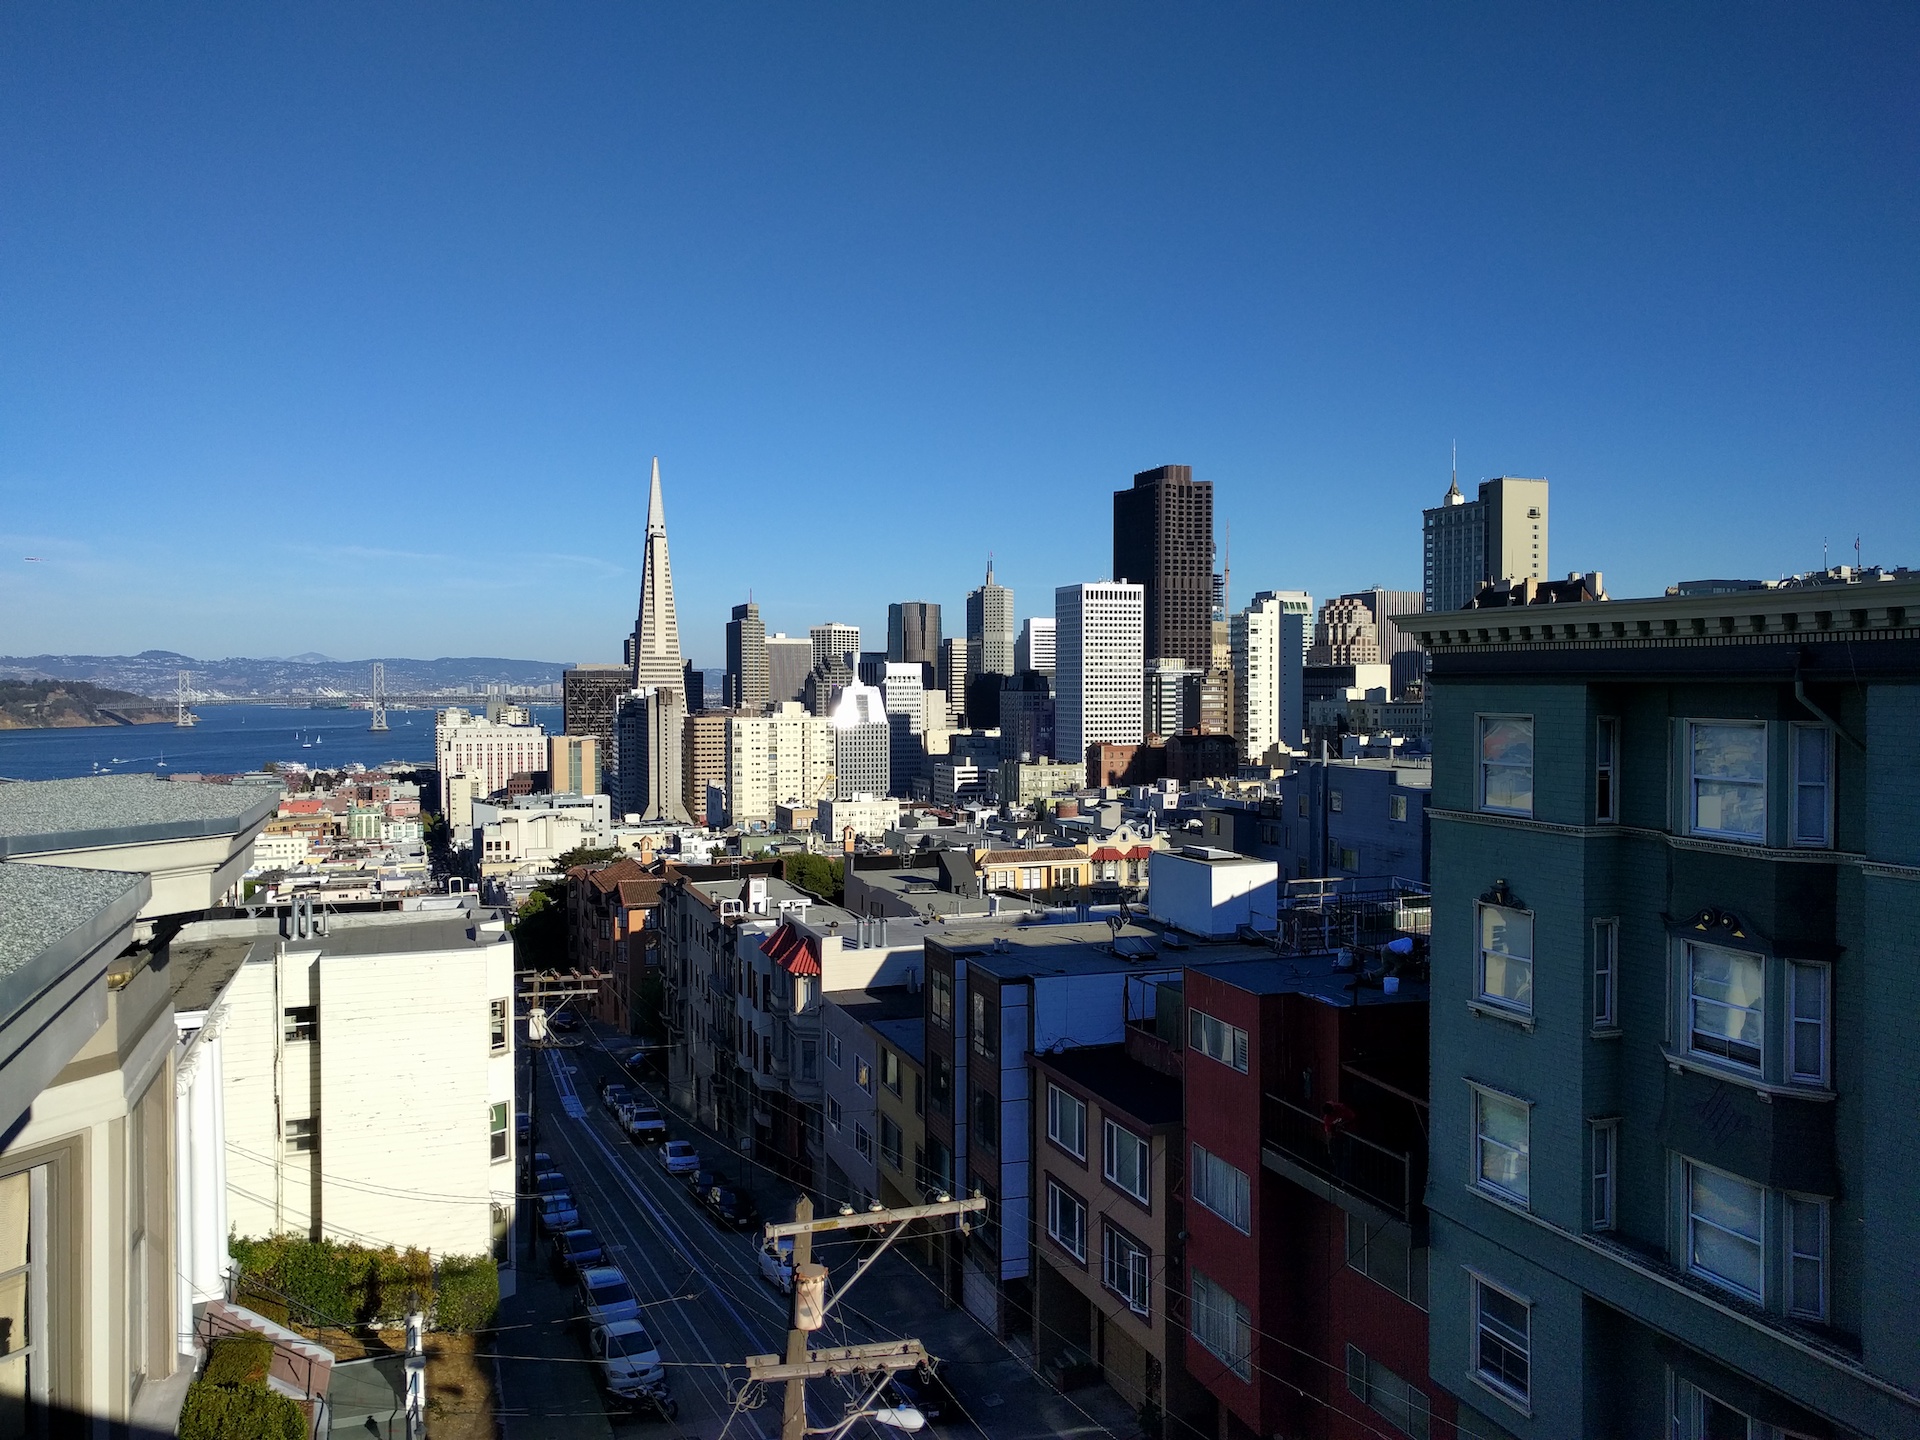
656	634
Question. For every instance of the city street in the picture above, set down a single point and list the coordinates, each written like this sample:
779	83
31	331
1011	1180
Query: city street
708	1308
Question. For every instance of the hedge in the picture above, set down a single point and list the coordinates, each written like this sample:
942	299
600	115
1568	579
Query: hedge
324	1282
240	1412
239	1360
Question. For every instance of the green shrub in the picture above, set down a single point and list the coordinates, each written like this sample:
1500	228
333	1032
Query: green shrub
468	1294
239	1360
323	1282
240	1412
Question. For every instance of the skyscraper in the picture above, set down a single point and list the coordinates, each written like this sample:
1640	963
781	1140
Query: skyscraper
990	629
835	643
748	673
1398	649
1034	649
590	696
1467	543
1099	667
862	742
656	633
651	729
1345	634
913	632
953	676
1269	644
789	659
1163	542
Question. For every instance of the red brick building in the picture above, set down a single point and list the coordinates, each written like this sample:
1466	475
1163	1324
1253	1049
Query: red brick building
609	928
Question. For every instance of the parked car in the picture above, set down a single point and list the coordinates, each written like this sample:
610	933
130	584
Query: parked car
558	1212
701	1180
615	1096
633	1059
729	1207
565	1021
604	1296
678	1157
630	1365
922	1389
644	1123
523	1126
776	1264
575	1250
549	1182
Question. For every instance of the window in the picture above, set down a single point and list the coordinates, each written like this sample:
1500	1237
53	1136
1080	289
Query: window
833	1112
982	1025
940	998
1125	1268
1334	802
1506	958
1221	1188
1217	1040
303	1022
1812	785
1404	1407
891	1148
1067	1121
1302	806
986	1119
863	1073
1396	807
1806	1226
833	1050
1603	1139
1501	1324
1727	1005
302	1135
809	1060
1606	955
1606	750
502	1223
1506	763
1807	1012
940	1081
1386	1255
1126	1163
1700	1416
890	1070
496	1130
497	1024
1222	1327
862	1141
1726	1230
1502	1141
919	1095
1067	1220
1728	779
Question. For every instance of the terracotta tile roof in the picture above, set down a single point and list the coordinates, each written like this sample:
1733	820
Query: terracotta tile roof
1019	857
608	878
644	893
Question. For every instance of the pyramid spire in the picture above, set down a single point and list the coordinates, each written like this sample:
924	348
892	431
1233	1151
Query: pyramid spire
656	632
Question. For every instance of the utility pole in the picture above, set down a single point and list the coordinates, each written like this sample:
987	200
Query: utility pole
811	1304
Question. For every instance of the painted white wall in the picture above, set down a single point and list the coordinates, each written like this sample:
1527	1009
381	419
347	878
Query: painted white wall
1211	896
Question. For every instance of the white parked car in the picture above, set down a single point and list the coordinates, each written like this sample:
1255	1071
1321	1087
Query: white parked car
629	1360
644	1123
605	1296
776	1264
678	1157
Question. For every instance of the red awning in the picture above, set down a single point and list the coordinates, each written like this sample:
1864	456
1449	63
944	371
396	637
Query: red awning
793	951
1140	852
1106	852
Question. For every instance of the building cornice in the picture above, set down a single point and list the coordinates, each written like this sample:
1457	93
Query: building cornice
1773	855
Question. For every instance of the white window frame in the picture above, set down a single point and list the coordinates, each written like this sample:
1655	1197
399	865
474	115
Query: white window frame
1215	1309
1057	1101
1606	974
1821	1023
1711	1056
1481	951
1603	1174
1136	1277
1062	1202
1694	827
1691	1219
1494	1379
1801	786
499	1132
1109	1134
1606	764
1482	765
1793	1208
1481	1095
1236	1207
1217	1040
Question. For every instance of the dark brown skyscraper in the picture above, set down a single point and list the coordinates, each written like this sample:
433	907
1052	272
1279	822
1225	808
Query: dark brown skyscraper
1163	540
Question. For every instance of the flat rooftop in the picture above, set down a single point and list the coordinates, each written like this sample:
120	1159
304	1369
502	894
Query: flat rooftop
1316	976
40	817
1120	1082
877	1006
1078	948
42	906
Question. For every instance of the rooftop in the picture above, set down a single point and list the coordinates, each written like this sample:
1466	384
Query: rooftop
877	1006
43	905
1119	1082
39	817
1012	950
906	1033
1316	976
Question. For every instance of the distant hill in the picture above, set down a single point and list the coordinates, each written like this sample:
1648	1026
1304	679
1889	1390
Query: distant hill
51	704
155	672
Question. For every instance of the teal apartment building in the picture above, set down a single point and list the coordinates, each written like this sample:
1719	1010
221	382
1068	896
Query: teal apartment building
1675	1024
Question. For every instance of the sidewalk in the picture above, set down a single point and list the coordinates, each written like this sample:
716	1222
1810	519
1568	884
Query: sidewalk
539	1398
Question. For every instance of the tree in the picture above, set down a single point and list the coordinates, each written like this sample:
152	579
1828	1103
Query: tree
540	932
817	875
588	855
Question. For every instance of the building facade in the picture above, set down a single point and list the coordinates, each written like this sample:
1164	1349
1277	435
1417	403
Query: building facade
913	632
657	660
789	659
1098	696
749	679
1673	961
1034	649
1163	542
703	761
1345	634
487	752
1499	536
989	629
1268	644
573	764
590	695
651	726
862	742
784	755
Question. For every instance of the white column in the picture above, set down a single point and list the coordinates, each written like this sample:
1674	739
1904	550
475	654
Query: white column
215	1260
183	1210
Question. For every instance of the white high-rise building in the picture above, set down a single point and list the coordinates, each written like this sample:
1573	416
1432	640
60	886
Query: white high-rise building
834	641
1269	646
862	741
656	628
1099	661
905	691
1034	649
784	755
487	752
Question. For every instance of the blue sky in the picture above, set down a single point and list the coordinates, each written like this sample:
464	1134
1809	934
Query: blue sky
352	328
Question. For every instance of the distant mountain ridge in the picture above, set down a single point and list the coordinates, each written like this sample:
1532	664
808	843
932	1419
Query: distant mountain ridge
58	704
155	673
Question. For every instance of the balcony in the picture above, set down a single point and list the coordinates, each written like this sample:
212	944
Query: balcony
1326	1154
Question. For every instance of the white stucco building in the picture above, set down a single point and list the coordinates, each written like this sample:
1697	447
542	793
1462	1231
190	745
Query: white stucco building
1268	642
784	755
1098	694
487	752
